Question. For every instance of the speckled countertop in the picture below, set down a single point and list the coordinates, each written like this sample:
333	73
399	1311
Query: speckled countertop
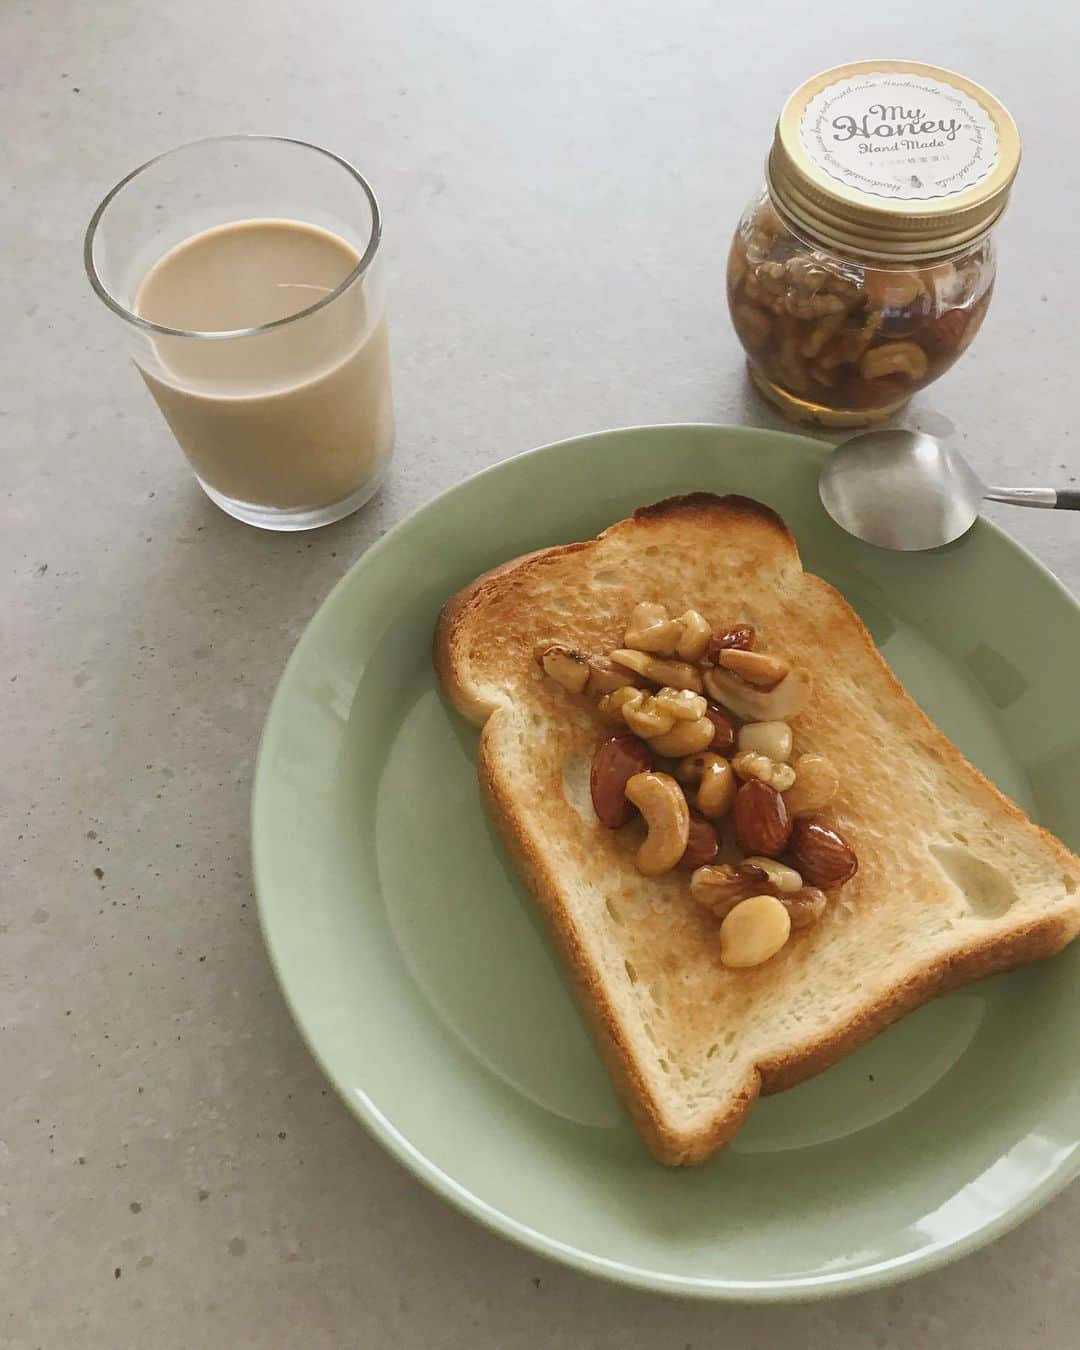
558	182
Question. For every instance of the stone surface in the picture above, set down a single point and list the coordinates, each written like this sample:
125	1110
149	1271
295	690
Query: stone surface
559	182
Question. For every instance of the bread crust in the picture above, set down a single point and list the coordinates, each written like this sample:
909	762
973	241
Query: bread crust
1024	942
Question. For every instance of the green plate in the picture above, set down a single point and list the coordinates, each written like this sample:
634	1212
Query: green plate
416	969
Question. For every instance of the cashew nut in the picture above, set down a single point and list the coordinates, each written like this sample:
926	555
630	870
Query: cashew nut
660	800
678	674
787	700
894	358
685	738
716	786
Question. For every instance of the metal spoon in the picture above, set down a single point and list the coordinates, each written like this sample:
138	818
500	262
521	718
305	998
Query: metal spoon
904	489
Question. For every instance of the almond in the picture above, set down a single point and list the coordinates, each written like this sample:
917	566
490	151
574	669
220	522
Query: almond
702	846
757	668
942	336
616	761
723	742
823	857
762	823
742	636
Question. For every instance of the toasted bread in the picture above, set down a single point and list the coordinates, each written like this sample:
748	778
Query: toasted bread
954	882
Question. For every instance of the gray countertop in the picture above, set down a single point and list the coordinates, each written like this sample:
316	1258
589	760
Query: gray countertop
559	182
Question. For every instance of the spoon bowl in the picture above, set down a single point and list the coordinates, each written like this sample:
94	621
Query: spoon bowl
903	489
900	489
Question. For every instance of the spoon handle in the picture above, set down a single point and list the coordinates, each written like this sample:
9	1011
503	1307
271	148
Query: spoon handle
1064	499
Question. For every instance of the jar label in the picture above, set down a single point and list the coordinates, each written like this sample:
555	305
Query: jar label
899	135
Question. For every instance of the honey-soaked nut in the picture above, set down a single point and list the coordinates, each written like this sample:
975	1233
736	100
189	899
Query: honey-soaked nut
605	677
822	854
689	769
566	667
616	761
767	738
694	637
645	717
684	738
677	674
975	317
719	888
736	269
754	931
852	340
702	845
807	273
723	741
741	638
772	277
846	287
750	764
611	705
805	906
785	880
802	306
781	704
790	368
942	281
762	824
660	800
880	393
892	289
894	358
944	336
717	786
650	630
821	333
683	704
767	219
816	784
821	375
760	669
752	324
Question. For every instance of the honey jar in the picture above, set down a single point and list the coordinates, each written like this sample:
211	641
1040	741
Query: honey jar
865	267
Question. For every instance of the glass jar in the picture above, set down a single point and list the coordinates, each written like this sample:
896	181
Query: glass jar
866	267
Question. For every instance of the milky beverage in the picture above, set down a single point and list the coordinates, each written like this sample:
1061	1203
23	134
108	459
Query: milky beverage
298	416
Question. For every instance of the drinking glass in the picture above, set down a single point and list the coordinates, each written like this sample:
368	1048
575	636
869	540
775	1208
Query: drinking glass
288	424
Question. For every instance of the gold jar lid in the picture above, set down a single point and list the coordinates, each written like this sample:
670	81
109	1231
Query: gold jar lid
893	159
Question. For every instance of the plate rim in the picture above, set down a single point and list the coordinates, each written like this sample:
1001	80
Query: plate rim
441	1183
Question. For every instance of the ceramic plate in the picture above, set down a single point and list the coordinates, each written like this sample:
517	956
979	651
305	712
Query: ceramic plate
416	969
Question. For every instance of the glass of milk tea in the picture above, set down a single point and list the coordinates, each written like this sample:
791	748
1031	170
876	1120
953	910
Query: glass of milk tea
244	273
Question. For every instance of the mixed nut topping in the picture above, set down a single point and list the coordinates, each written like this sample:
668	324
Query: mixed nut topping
704	753
844	336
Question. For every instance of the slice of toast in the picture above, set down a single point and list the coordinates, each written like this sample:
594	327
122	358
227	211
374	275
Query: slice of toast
954	881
